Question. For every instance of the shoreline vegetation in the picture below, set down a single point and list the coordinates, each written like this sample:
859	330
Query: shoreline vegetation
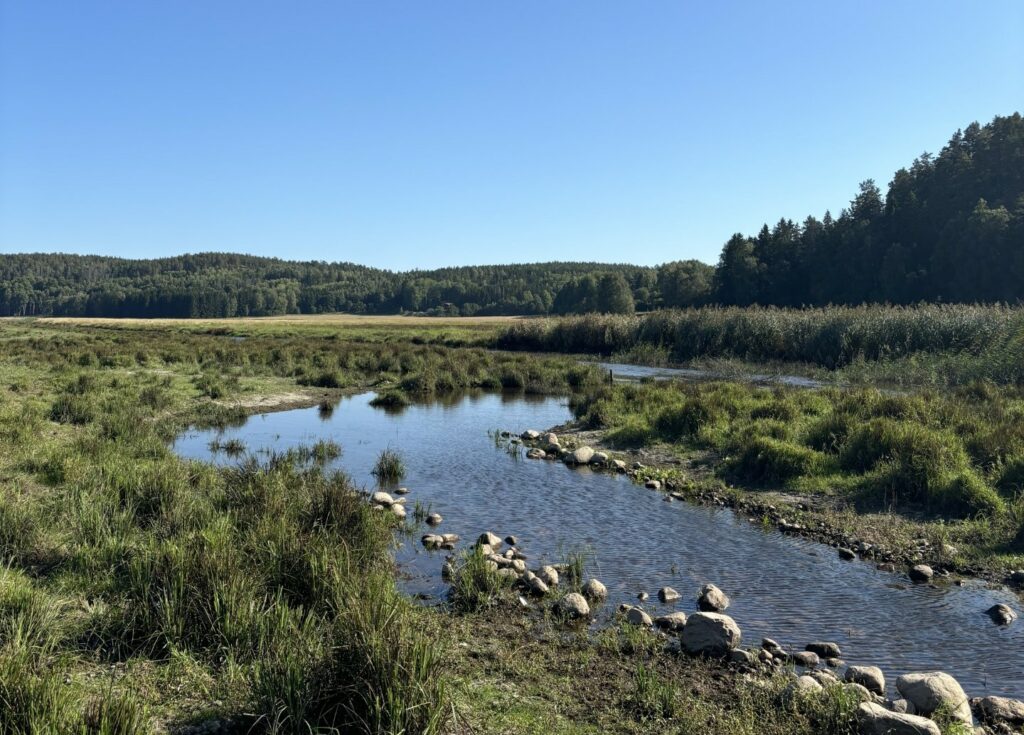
142	593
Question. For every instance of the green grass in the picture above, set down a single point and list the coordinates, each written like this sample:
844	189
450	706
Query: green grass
389	467
140	592
954	454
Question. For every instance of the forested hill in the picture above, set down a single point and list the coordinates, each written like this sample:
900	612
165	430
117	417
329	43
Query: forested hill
949	228
221	284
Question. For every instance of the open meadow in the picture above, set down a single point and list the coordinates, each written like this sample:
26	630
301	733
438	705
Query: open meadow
141	592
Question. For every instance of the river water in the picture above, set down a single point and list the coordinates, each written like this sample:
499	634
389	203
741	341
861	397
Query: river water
789	589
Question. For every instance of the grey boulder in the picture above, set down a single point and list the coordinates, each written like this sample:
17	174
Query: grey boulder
710	634
874	719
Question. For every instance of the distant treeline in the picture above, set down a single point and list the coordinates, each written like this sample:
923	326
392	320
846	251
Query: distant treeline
949	229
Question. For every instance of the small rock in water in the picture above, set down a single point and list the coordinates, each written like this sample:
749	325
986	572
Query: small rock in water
511	540
582	455
642	596
398	510
653	485
594	590
489	539
434	519
536	453
825	649
530	435
638	616
712	599
667	594
382	498
921	573
1001	614
402	491
848	554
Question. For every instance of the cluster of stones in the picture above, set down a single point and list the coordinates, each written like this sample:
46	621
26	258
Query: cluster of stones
549	446
710	632
384	501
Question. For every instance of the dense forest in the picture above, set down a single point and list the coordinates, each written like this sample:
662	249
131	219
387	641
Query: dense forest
950	228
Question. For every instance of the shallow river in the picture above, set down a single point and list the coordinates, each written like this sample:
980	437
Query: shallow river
792	590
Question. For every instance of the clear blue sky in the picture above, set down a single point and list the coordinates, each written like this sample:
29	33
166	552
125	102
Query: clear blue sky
419	134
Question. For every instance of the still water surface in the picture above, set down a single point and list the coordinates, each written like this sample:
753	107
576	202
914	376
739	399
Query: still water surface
790	589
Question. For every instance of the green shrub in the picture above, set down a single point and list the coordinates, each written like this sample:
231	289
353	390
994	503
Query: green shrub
1011	476
72	409
764	460
390	399
828	433
390	467
685	421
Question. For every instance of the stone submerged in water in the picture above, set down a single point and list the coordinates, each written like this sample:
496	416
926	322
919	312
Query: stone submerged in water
869	677
824	649
667	594
1001	614
530	435
653	485
581	455
573	606
874	719
930	690
710	634
536	453
921	573
398	510
382	498
712	599
434	519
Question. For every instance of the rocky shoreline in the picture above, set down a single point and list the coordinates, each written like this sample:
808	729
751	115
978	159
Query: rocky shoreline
796	518
923	696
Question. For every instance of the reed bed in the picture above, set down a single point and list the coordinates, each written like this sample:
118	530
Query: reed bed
832	338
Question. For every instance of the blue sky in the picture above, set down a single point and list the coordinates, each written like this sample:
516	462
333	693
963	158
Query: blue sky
421	134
